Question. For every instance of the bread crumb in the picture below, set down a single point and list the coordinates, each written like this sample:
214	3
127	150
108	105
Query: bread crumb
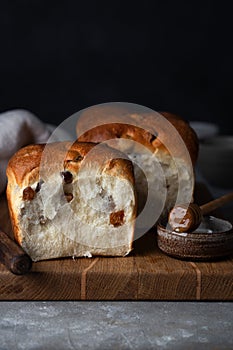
87	255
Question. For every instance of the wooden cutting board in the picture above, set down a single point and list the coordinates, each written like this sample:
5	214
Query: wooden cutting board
146	274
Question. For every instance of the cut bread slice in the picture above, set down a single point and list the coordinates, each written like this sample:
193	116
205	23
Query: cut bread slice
71	200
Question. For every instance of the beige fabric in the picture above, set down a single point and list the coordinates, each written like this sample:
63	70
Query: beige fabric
18	128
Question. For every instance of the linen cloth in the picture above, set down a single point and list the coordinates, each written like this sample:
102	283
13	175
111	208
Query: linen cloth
18	128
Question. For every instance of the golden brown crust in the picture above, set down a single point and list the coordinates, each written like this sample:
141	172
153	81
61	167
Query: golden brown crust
186	132
13	216
24	161
147	129
24	166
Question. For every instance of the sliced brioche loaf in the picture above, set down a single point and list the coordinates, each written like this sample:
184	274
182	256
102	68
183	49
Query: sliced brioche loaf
162	146
66	200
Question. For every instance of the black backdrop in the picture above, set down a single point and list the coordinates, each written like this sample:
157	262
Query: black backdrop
58	57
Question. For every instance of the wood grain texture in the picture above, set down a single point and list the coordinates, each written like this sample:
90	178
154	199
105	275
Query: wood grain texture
161	277
146	274
216	280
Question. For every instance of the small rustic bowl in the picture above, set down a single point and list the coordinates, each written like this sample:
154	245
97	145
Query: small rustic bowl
212	240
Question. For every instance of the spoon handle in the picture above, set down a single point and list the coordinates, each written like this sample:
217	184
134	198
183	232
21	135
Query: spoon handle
13	256
216	203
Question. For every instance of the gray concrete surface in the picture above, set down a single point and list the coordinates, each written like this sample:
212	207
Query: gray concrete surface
116	325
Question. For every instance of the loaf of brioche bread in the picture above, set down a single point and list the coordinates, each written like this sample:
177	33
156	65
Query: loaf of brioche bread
162	146
71	200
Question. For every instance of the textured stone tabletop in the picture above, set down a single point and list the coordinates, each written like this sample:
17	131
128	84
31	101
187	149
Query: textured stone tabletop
116	325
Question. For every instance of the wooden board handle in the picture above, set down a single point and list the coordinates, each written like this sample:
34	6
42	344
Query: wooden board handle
13	256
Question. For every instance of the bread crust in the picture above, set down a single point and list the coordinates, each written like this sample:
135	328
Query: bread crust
24	167
105	123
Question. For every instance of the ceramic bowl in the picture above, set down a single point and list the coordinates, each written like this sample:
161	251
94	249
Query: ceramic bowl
212	240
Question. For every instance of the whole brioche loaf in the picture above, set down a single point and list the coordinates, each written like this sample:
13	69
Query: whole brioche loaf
66	200
165	159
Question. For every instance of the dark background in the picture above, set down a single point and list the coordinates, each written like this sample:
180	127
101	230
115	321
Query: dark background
58	57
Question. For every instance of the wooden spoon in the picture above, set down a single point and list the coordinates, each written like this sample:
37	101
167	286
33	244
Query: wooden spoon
186	218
